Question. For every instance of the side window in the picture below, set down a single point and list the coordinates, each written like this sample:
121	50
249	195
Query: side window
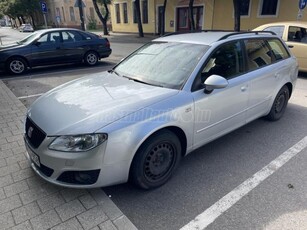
278	30
226	61
278	49
258	54
297	34
86	36
50	38
71	36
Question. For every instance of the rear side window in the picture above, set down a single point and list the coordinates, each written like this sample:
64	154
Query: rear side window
258	54
278	49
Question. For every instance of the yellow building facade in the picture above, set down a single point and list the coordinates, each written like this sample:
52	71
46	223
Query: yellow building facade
208	14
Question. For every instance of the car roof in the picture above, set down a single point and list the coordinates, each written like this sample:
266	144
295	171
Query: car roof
57	29
293	23
208	37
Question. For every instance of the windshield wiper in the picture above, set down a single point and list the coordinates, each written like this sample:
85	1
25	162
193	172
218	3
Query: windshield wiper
137	80
113	71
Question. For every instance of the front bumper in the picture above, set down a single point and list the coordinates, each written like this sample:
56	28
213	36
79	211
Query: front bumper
75	170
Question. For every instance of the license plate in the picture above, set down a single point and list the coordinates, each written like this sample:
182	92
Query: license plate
34	158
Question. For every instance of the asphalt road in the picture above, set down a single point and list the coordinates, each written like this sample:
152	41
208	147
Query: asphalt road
213	171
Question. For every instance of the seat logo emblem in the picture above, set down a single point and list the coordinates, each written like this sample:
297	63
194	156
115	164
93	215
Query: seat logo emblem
30	131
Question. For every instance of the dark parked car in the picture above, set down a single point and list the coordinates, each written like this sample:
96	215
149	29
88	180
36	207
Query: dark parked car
53	46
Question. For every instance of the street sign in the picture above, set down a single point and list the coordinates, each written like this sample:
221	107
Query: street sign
302	4
44	7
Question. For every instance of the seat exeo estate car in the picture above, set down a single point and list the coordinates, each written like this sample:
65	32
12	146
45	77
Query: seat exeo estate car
171	96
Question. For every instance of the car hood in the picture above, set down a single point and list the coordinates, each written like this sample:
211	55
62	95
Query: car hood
88	104
9	46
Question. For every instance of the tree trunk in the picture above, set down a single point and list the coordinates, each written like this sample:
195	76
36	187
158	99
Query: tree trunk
138	17
163	18
33	21
81	14
103	19
236	5
192	23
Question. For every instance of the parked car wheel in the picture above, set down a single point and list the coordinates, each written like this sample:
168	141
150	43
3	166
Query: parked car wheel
279	105
156	160
17	65
91	58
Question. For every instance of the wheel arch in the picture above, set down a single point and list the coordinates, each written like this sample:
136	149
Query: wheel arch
91	50
176	131
290	88
17	56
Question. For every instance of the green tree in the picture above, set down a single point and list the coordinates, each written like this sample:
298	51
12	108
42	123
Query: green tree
103	14
20	9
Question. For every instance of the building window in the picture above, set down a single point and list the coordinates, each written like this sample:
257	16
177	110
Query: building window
117	13
145	11
135	20
63	12
244	8
268	7
72	14
125	9
58	15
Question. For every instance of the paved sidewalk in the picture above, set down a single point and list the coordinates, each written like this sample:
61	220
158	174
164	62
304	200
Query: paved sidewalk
28	202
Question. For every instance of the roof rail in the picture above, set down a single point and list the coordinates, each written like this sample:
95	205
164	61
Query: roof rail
246	32
194	31
224	37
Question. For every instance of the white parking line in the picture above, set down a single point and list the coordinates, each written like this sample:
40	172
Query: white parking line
221	206
34	95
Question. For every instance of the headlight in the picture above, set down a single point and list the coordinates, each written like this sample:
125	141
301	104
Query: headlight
78	143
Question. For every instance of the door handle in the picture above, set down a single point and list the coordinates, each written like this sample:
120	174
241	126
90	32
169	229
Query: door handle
244	88
290	46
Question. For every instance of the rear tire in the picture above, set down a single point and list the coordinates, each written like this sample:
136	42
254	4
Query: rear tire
17	65
279	104
156	160
91	58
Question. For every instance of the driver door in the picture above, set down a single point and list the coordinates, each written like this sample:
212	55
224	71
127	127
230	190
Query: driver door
222	110
48	49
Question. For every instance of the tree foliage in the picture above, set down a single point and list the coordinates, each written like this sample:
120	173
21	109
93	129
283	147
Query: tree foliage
19	8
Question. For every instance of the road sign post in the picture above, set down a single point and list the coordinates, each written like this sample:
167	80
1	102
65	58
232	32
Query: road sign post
44	10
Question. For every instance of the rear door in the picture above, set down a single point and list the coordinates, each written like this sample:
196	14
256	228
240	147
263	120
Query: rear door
297	42
74	46
266	71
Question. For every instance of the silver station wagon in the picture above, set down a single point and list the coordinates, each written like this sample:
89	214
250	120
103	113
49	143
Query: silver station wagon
171	96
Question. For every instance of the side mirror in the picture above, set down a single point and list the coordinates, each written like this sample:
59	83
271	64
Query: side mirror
37	43
215	82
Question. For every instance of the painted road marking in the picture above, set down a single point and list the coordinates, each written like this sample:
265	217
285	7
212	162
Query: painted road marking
221	206
34	95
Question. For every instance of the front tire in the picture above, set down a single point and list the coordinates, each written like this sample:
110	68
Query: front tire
17	65
91	58
156	160
279	105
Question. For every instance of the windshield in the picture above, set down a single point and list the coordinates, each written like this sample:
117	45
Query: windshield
28	39
166	64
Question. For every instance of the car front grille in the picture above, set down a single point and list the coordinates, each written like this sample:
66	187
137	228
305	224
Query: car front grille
34	134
